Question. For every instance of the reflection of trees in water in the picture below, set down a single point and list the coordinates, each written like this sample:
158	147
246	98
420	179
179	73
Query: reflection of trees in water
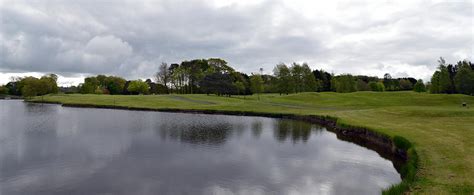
257	128
218	132
296	130
239	128
196	133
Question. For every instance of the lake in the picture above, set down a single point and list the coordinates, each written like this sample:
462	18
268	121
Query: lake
50	149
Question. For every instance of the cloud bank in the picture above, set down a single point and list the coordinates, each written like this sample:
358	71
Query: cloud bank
130	38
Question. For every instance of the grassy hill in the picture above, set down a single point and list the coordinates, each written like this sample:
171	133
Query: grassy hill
441	129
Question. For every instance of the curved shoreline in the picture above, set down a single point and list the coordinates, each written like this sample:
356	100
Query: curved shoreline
397	149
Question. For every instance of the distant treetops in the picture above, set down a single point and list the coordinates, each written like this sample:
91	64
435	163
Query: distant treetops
215	76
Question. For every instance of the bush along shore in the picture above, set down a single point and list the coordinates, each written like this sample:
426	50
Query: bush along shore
396	148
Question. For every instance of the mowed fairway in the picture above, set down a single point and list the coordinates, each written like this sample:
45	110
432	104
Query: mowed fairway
441	129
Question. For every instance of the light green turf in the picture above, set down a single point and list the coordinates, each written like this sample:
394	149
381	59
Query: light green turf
442	131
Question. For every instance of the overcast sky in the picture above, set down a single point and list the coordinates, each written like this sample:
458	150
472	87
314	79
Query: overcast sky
130	38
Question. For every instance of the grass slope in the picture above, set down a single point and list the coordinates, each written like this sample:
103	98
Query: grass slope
441	130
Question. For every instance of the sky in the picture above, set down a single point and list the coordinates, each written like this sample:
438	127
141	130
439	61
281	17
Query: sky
130	38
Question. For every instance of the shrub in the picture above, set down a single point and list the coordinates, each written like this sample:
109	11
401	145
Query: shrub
138	87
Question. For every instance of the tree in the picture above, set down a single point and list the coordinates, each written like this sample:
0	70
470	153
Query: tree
256	84
441	81
419	86
464	80
163	75
90	85
218	83
373	85
344	83
362	85
219	65
54	83
376	86
14	88
444	82
285	83
31	86
434	86
138	87
406	84
175	77
324	78
114	85
452	78
240	87
309	80
297	76
29	91
3	90
380	86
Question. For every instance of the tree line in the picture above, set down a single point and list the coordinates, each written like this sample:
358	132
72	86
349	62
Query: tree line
215	76
31	86
457	78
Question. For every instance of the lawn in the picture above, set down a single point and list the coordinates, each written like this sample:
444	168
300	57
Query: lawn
439	127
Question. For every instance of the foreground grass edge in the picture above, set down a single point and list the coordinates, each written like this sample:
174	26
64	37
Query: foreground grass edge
398	144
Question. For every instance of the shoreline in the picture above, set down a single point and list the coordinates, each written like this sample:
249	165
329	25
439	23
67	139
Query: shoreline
396	149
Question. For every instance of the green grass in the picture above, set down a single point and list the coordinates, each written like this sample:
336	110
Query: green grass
437	125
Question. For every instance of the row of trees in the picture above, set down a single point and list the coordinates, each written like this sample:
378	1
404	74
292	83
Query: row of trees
113	85
31	86
215	76
297	78
458	78
348	83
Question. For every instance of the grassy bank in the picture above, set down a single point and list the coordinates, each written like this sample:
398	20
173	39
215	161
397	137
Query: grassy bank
441	130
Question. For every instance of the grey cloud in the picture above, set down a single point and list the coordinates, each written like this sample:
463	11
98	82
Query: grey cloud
130	38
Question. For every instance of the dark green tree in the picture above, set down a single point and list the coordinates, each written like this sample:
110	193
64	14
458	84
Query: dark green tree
324	78
218	83
309	80
419	86
444	80
240	87
3	90
434	84
464	80
114	85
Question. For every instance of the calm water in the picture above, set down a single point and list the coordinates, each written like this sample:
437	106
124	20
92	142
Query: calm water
49	149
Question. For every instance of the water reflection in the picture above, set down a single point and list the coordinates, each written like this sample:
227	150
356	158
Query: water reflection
196	133
48	149
256	128
295	130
